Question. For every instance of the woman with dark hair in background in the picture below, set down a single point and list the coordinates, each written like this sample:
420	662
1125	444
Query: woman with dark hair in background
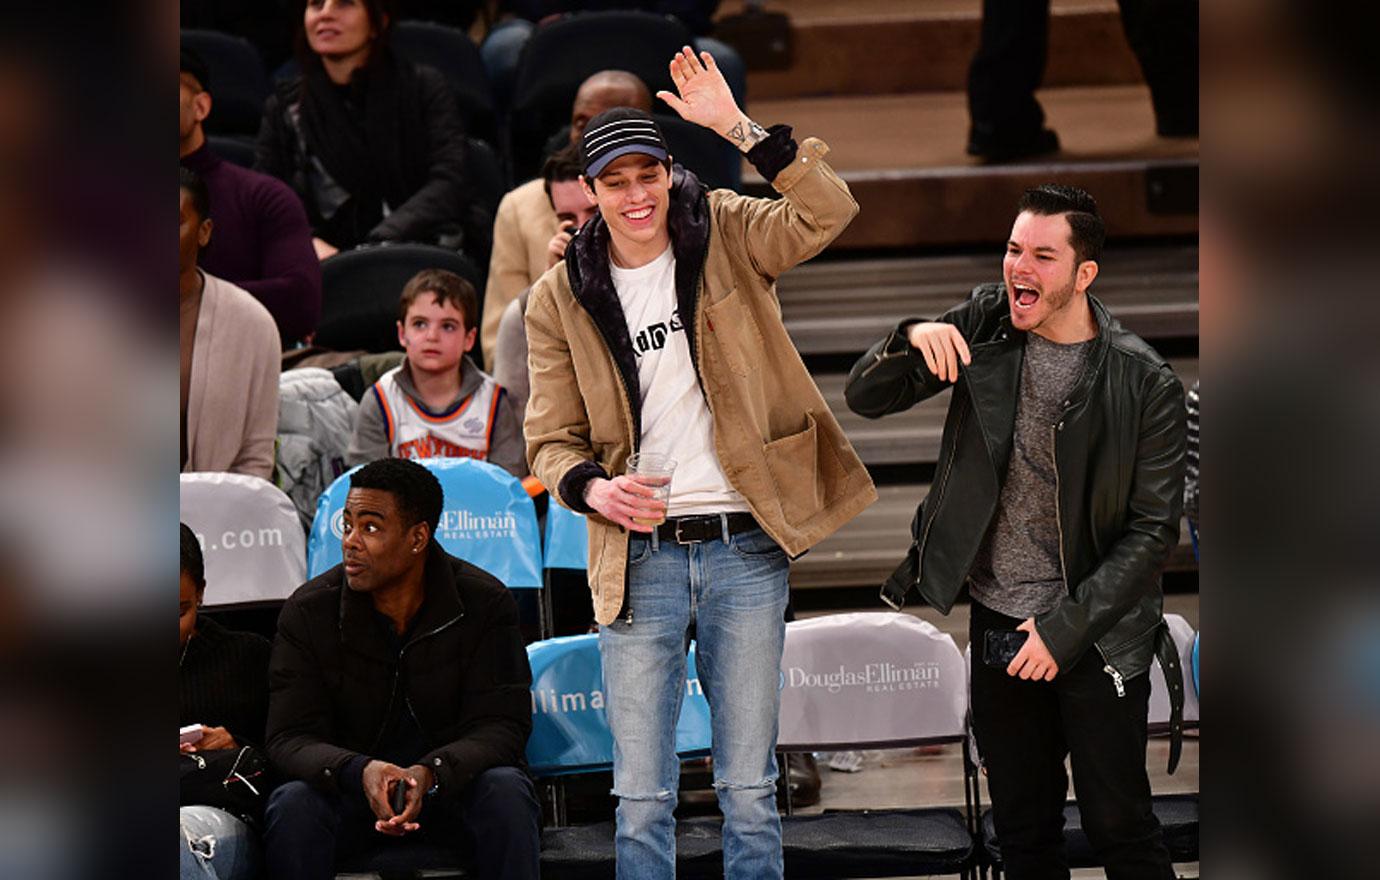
222	693
373	145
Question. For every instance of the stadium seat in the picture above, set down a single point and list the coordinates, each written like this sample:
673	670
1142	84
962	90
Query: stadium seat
875	680
488	521
251	538
567	539
233	148
1196	684
239	82
360	290
715	161
562	54
454	55
485	173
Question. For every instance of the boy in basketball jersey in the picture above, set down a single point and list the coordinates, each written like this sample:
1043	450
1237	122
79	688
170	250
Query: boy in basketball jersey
437	402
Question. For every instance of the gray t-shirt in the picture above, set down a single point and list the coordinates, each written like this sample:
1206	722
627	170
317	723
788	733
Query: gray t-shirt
1017	570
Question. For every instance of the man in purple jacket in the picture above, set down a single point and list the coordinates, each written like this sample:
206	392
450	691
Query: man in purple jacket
263	242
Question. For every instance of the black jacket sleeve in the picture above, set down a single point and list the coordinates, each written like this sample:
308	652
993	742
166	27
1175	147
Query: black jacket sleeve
892	376
444	195
300	725
496	696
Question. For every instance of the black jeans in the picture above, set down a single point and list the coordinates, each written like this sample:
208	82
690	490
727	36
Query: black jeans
1010	64
494	826
1024	731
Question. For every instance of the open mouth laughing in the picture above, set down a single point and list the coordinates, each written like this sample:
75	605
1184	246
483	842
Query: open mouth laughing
1023	296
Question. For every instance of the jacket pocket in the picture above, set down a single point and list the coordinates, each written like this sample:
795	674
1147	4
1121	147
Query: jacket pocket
802	468
733	331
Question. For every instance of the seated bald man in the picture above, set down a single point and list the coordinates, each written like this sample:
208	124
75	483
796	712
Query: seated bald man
527	220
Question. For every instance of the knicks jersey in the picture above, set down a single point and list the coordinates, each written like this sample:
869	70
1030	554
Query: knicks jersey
464	431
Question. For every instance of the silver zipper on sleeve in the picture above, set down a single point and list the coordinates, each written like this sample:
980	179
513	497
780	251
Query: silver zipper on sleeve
1116	679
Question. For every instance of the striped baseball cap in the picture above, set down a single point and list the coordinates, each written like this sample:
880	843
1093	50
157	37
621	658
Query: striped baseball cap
618	132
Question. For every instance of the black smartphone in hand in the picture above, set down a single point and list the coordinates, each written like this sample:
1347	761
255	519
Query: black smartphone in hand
398	799
1000	646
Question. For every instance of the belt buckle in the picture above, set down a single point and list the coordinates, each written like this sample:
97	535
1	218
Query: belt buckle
680	540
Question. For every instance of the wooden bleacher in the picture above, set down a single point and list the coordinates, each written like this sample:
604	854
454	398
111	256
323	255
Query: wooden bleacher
843	306
883	81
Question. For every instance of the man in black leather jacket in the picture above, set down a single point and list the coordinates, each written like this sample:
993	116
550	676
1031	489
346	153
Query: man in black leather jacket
1056	501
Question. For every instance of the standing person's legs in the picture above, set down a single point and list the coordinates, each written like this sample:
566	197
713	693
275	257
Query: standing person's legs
1021	741
1007	69
740	592
1106	737
644	684
1164	36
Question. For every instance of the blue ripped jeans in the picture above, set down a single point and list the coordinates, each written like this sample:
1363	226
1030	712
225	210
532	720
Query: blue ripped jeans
734	593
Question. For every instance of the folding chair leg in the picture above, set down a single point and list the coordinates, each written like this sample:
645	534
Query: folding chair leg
790	808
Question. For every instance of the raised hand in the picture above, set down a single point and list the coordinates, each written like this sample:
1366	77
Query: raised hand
706	100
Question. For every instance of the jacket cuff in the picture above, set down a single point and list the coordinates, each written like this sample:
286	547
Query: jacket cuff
775	153
352	775
572	485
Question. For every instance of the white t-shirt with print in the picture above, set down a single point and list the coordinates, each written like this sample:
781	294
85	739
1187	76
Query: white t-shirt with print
675	417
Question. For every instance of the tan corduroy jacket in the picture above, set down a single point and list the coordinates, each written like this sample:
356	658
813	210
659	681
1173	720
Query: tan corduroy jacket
777	440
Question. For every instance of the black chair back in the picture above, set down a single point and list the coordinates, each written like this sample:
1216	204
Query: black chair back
486	174
451	52
360	290
239	81
232	148
561	55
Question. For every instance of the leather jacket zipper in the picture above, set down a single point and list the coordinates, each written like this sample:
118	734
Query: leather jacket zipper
943	487
880	358
1116	679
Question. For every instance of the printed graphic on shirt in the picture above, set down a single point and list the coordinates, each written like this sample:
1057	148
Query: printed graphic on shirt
653	337
431	446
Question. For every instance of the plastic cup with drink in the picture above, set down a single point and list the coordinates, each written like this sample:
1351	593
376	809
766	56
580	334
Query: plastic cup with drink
654	470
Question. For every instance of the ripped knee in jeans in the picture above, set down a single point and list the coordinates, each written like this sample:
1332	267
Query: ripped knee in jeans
664	794
767	783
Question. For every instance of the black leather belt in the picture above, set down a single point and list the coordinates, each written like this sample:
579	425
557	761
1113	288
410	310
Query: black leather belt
710	527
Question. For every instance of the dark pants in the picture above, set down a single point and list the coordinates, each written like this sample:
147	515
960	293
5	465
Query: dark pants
1010	64
494	826
1024	731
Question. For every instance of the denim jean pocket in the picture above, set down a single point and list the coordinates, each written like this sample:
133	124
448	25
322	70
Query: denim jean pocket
756	544
639	550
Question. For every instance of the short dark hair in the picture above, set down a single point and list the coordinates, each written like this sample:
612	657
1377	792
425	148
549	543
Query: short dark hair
196	187
447	287
564	164
1050	199
416	489
193	65
193	564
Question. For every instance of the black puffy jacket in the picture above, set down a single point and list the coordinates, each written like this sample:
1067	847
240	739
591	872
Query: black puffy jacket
1119	459
463	675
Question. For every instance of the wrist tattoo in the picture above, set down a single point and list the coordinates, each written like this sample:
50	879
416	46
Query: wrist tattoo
747	137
